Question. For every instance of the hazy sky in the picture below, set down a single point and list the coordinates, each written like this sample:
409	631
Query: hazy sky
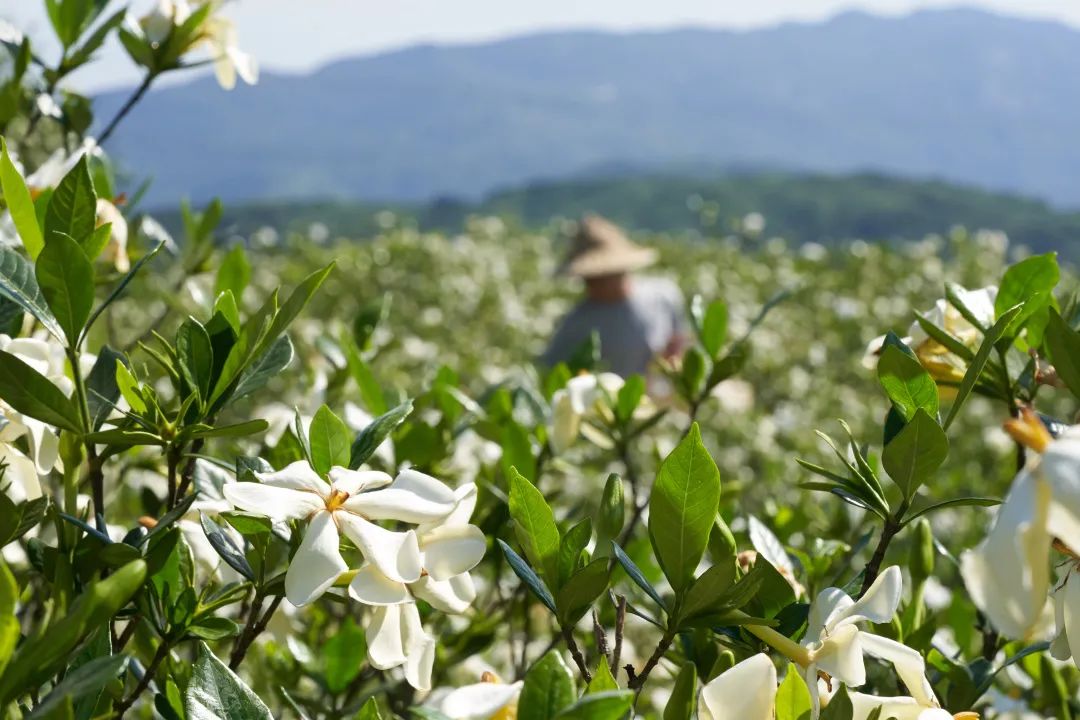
297	35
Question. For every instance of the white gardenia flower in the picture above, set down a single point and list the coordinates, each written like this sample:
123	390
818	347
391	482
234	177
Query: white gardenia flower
349	503
833	638
575	402
1008	574
159	22
115	252
746	691
938	361
449	549
489	699
910	667
229	60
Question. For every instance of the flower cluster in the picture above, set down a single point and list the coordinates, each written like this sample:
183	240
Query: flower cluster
430	560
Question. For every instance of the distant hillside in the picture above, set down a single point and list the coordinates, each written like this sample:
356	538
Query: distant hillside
799	207
958	94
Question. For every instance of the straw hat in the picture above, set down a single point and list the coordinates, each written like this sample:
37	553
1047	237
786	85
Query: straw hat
601	248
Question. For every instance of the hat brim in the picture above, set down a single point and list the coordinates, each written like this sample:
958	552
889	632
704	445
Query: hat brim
607	262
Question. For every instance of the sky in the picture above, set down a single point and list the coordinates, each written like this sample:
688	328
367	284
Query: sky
300	35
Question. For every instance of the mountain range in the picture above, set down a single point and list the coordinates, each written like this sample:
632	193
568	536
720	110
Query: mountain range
957	95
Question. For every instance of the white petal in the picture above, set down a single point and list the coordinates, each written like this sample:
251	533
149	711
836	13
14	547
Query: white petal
878	604
424	486
394	503
277	503
383	632
565	422
1008	574
355	482
20	477
746	691
479	701
452	550
371	587
396	554
829	604
245	64
317	563
841	656
1059	646
900	708
419	649
909	664
769	546
296	476
450	596
44	445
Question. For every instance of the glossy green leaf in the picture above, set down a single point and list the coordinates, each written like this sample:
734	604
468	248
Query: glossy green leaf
629	397
330	441
907	383
548	688
371	437
1063	344
17	519
226	548
102	392
118	290
636	575
20	204
534	526
683	700
602	679
528	576
714	327
343	655
216	693
31	393
954	502
915	453
839	707
87	679
612	705
72	209
66	279
793	697
578	594
265	367
195	356
1029	283
234	273
707	591
18	284
9	623
978	363
682	508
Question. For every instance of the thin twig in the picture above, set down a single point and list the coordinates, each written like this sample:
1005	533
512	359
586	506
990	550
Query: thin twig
575	652
620	622
148	676
126	107
637	681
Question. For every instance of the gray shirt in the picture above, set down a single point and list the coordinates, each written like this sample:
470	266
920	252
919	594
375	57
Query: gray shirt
632	332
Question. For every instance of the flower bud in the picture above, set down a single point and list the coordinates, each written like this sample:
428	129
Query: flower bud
722	545
612	508
921	559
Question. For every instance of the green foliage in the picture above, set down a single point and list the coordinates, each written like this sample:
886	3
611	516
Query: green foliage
216	692
548	689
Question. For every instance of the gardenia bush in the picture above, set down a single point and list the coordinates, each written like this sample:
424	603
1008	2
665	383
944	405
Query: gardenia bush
337	487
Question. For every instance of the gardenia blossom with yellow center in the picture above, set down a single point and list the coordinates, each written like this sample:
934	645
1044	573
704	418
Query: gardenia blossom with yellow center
350	503
942	364
489	699
1008	575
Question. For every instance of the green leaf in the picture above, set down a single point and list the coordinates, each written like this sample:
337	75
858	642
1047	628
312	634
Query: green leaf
907	383
573	542
714	327
66	279
72	209
17	520
370	711
370	391
214	628
18	284
528	576
548	688
629	397
216	693
43	655
9	623
102	391
793	697
129	388
1063	344
915	453
954	502
31	393
20	204
234	273
243	429
683	700
602	679
226	548
371	437
88	678
330	440
1029	283
578	594
265	367
975	368
704	595
195	356
682	508
534	526
343	656
612	705
636	575
839	707
517	451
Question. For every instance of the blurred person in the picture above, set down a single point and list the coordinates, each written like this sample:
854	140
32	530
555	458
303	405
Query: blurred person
636	318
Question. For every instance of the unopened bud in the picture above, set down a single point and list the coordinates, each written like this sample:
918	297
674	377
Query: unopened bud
921	559
722	545
612	508
724	661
